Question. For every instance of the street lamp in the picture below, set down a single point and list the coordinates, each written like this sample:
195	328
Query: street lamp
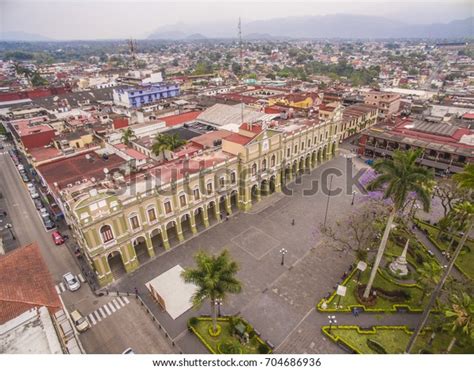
353	197
329	197
283	251
332	321
218	303
10	227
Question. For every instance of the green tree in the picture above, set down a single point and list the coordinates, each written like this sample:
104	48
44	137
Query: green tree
460	316
400	176
214	277
429	274
465	180
164	142
127	136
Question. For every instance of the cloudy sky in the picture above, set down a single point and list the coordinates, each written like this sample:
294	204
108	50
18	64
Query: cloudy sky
103	19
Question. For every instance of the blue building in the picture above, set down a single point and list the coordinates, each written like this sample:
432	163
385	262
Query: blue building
135	97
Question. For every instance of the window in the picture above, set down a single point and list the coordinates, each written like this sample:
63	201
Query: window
168	207
288	152
151	214
134	222
196	194
321	137
309	143
302	145
182	200
296	148
264	164
254	169
209	188
272	161
106	233
315	140
327	134
233	178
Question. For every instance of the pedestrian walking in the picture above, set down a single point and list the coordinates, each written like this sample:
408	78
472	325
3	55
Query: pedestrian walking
293	222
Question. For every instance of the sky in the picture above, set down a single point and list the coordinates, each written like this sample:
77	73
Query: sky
107	19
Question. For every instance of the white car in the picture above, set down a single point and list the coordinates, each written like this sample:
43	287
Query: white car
30	187
20	167
34	194
80	322
44	212
71	281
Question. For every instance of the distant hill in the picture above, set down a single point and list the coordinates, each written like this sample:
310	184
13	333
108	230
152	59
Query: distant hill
196	36
315	27
22	36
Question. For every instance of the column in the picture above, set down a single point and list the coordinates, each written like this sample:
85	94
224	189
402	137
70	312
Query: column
245	199
179	230
205	216
217	211
265	188
132	261
104	275
257	194
164	235
149	245
193	222
278	178
228	205
297	169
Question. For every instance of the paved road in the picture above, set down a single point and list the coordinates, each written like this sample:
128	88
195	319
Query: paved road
113	333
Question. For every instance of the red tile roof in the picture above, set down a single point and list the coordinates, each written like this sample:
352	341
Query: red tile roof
77	168
25	283
239	139
256	129
179	119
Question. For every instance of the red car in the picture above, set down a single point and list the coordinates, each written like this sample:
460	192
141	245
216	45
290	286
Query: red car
57	238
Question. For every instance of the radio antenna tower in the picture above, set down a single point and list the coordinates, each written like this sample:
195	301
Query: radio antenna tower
132	45
241	70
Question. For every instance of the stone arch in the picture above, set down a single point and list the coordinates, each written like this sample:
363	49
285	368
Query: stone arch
141	249
272	184
116	264
234	200
211	212
254	193
264	187
156	238
199	218
186	225
172	232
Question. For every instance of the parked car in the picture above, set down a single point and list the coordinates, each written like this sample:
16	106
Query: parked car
57	238
48	223
44	212
30	187
80	322
71	281
38	203
128	351
20	167
34	194
24	177
1	146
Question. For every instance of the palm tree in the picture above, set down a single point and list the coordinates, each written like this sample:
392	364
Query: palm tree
465	180
460	314
400	176
214	277
127	136
165	142
429	274
459	217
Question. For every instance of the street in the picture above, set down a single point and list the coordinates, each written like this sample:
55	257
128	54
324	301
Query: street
111	334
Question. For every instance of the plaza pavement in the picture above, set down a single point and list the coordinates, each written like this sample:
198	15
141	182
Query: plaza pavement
279	301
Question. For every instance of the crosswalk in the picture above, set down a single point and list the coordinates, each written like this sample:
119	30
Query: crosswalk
107	309
61	287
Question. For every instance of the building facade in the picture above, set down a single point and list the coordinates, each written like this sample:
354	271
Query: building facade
122	222
135	97
387	103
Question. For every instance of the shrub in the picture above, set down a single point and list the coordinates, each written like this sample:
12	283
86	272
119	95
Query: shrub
263	349
229	347
216	333
375	346
193	321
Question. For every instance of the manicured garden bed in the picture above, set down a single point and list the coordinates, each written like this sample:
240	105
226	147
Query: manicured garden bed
391	339
465	260
225	342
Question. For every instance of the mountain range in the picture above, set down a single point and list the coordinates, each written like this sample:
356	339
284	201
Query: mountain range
22	36
316	27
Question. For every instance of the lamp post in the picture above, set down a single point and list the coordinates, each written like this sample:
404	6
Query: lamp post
353	197
283	251
332	321
218	303
10	227
329	197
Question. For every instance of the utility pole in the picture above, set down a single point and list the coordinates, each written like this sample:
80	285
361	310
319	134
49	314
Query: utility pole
241	69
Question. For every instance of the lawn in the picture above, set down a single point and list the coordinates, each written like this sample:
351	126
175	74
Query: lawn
465	261
200	327
393	339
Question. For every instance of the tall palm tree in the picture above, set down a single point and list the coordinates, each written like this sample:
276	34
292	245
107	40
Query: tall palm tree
459	217
214	277
429	274
465	180
175	141
127	136
400	176
460	314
